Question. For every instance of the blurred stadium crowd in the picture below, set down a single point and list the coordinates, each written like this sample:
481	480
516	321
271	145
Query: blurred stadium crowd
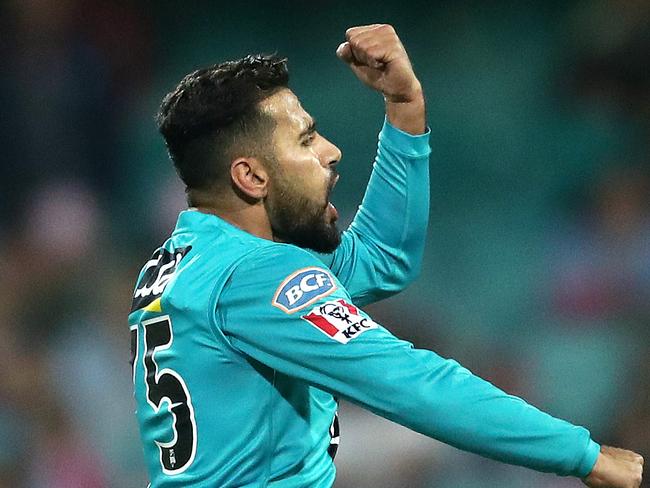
537	272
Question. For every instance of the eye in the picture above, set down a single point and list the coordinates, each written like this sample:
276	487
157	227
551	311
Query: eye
307	141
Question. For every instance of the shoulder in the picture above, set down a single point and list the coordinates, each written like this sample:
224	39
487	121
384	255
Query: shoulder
278	257
289	277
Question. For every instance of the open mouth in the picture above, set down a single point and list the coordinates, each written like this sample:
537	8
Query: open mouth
331	209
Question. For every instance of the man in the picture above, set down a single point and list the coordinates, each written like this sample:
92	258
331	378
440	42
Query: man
242	341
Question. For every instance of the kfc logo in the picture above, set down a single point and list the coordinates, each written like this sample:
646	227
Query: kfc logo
339	320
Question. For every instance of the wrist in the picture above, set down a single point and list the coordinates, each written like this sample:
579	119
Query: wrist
414	94
408	115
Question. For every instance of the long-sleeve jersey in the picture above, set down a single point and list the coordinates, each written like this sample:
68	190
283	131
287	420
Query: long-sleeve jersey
241	347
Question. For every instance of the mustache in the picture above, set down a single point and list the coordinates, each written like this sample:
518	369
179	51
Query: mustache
334	176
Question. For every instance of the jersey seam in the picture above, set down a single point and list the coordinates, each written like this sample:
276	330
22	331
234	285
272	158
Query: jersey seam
271	429
234	350
212	318
407	210
213	302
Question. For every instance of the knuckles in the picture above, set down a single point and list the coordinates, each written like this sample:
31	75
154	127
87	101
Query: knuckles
379	29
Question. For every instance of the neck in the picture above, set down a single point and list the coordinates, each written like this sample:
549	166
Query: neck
249	218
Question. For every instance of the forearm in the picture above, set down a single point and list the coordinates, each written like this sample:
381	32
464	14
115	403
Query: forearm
392	219
443	400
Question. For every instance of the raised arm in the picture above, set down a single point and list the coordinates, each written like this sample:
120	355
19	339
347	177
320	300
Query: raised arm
381	252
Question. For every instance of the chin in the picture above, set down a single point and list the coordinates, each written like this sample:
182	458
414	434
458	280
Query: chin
305	225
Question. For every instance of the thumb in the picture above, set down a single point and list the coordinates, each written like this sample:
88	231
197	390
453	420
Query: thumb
344	52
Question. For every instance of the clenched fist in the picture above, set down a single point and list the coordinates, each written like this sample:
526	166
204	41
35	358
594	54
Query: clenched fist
377	57
616	468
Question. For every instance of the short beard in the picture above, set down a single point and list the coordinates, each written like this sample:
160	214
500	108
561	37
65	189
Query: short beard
299	221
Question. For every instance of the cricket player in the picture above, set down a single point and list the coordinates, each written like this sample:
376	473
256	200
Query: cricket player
243	341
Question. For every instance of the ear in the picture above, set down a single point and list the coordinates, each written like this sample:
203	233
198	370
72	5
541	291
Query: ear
250	177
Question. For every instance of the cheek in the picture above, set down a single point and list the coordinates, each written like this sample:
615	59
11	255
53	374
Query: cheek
310	178
315	189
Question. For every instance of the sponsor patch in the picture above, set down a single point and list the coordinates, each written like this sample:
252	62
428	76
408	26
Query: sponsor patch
303	288
339	320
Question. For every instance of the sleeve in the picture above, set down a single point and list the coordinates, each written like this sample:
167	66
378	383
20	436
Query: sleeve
381	252
298	319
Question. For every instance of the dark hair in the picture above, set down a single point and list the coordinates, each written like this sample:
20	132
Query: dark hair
213	116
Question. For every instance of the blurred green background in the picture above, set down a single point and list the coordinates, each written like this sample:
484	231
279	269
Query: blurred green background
537	266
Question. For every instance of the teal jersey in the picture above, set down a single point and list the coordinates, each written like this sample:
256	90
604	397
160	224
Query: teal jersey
241	347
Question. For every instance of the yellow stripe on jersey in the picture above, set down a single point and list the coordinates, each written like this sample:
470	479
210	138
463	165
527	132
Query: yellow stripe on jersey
154	306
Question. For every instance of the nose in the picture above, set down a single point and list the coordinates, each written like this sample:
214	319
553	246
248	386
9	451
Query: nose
331	154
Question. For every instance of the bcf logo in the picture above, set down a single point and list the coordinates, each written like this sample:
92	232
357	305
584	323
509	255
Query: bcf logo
303	288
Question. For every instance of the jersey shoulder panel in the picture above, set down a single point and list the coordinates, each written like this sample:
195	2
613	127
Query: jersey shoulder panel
284	276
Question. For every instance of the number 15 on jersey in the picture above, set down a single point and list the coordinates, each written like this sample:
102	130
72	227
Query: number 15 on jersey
167	395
